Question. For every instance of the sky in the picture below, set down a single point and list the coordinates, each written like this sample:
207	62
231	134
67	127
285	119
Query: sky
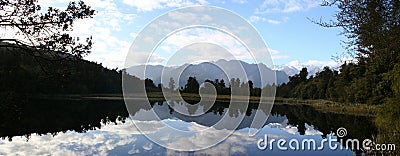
285	26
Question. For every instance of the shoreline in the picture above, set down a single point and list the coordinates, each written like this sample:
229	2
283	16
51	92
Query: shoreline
320	105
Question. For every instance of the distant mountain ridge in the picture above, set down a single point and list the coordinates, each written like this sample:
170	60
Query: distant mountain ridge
209	70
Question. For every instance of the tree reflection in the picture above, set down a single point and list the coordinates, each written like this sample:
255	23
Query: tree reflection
25	117
53	116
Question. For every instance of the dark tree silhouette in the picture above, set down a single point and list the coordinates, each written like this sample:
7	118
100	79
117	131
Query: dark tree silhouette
192	86
221	83
251	85
150	86
44	31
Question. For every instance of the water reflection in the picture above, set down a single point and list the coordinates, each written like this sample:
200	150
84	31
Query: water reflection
86	127
53	116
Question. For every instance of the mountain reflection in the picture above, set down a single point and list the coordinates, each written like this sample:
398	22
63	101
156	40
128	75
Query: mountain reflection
80	115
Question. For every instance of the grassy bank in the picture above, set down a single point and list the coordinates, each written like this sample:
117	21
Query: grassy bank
333	107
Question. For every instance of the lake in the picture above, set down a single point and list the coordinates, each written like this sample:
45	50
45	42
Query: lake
106	127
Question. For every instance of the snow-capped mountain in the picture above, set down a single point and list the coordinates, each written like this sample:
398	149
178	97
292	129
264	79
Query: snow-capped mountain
291	70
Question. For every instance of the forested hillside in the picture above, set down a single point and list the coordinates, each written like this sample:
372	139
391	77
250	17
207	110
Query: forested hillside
23	73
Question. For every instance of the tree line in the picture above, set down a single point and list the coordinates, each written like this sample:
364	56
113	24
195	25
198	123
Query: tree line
374	77
192	86
346	85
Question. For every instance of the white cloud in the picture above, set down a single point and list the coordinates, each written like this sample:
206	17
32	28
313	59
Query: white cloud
310	130
133	35
180	16
286	6
275	57
166	49
255	19
234	144
107	14
53	3
347	60
108	48
149	5
284	126
133	150
202	2
188	17
330	63
203	45
97	142
273	51
240	1
141	58
273	21
275	54
207	49
148	146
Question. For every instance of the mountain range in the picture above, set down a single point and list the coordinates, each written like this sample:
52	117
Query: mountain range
211	71
208	70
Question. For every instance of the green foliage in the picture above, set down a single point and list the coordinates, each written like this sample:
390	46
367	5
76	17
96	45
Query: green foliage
388	118
372	28
388	122
347	86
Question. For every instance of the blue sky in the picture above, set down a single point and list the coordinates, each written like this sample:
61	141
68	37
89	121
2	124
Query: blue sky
290	36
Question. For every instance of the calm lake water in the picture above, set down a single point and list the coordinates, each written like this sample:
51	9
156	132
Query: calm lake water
104	127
